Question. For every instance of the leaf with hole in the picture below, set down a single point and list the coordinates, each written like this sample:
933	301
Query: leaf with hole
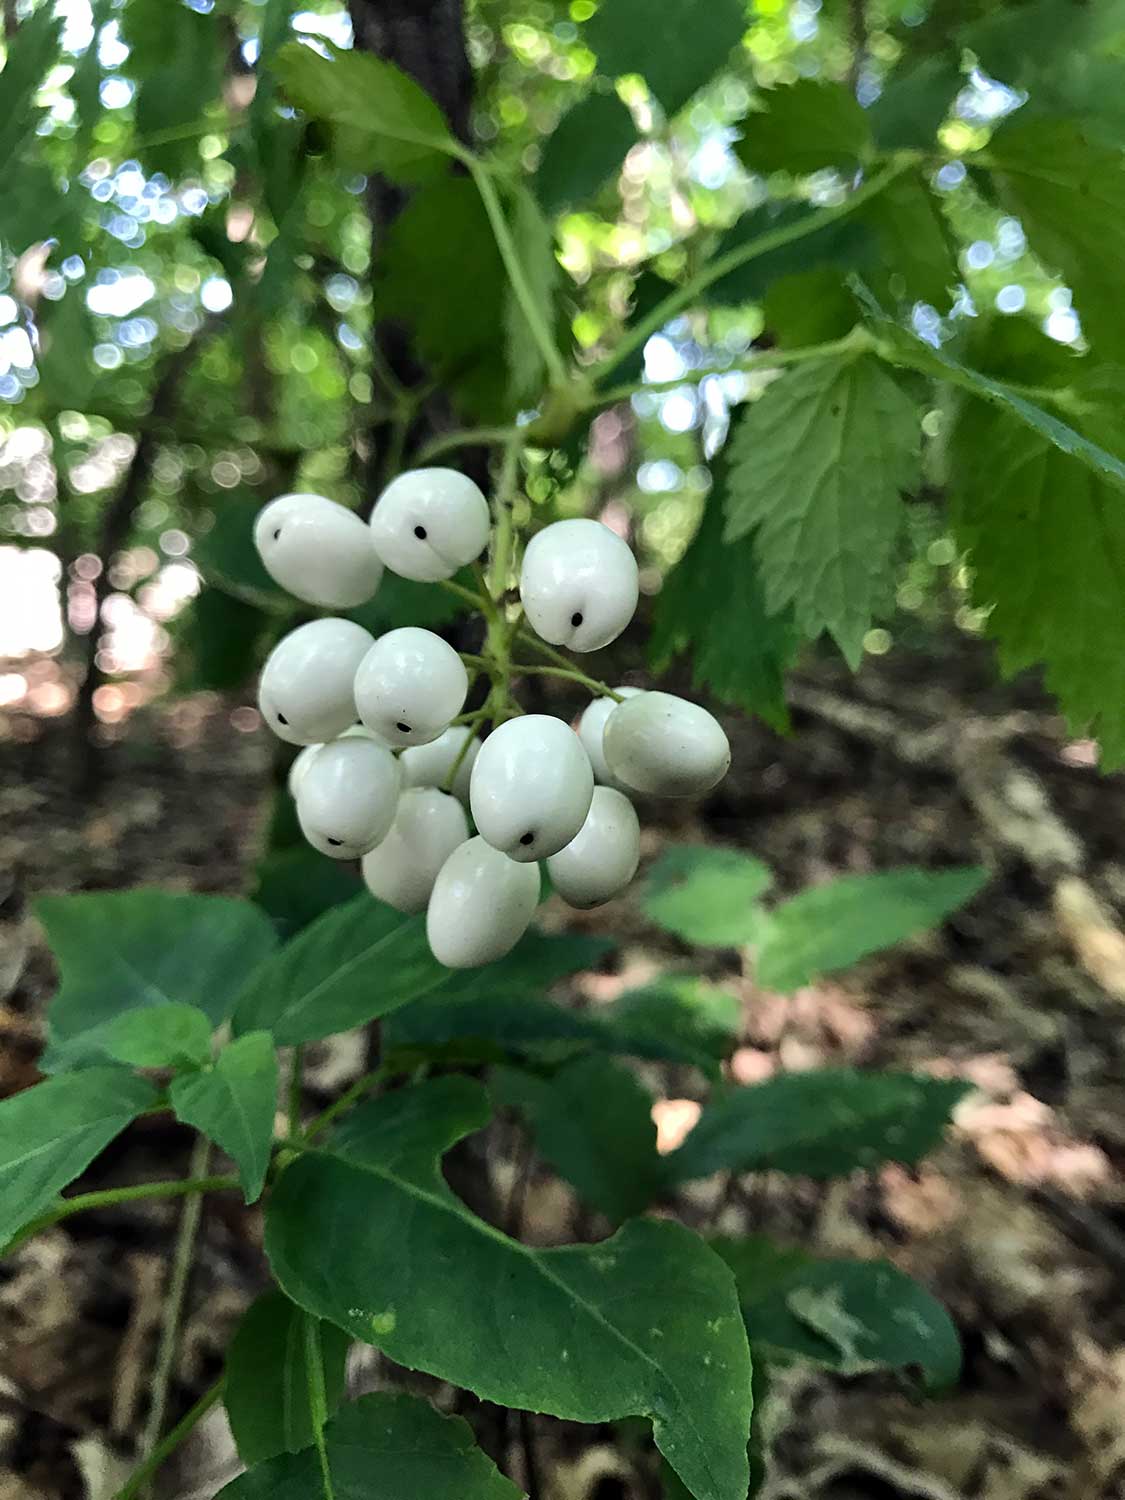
646	1323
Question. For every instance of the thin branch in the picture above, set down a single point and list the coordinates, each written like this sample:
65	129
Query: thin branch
174	1302
318	1400
164	1450
110	1197
345	1102
740	255
464	437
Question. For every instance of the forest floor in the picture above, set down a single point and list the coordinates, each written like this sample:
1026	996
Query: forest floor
1017	1223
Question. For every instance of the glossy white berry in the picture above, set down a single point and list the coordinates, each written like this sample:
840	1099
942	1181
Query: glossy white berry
665	746
578	584
306	690
591	728
409	685
300	766
531	787
481	904
347	797
318	551
602	859
430	765
428	523
428	826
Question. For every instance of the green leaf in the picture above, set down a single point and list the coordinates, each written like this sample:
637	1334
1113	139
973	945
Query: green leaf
818	466
391	121
356	962
918	252
535	244
220	643
844	244
915	103
50	1133
588	143
804	128
176	59
811	307
383	1447
267	1378
829	927
689	1019
1069	193
160	1036
592	1121
439	272
29	56
234	1103
706	895
693	40
902	348
819	1124
848	1315
1046	540
403	601
228	559
588	1333
300	885
738	652
124	950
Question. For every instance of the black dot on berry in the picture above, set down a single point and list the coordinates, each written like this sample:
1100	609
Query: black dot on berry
528	838
402	728
336	843
281	719
420	533
277	535
576	618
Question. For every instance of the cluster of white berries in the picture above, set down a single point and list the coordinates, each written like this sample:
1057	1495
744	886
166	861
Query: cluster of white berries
392	789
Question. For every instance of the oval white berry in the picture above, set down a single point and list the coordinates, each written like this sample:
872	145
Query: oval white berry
430	765
531	787
578	584
306	690
480	907
346	799
402	868
602	858
304	759
665	746
318	550
409	685
591	728
428	523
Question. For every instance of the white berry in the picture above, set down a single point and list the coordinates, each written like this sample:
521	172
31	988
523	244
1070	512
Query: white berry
402	868
591	728
602	859
304	759
578	584
428	523
347	797
665	746
306	690
409	685
318	551
531	787
430	765
480	907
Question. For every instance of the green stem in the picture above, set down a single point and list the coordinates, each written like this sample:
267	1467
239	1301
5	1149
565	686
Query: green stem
855	342
509	254
465	437
570	674
502	536
174	1299
469	595
164	1450
762	244
473	723
318	1401
110	1197
345	1102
